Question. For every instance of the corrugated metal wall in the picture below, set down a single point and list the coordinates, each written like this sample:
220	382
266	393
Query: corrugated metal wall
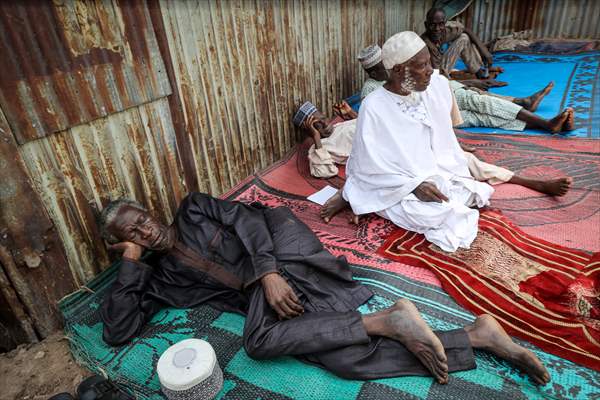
236	71
67	63
570	19
242	68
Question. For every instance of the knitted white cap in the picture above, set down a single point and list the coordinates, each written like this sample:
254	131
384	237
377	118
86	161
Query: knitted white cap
400	48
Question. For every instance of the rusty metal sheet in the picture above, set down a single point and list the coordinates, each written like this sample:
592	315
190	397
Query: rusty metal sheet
68	62
31	252
241	69
556	19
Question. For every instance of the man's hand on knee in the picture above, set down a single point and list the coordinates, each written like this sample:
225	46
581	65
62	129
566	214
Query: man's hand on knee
428	192
281	296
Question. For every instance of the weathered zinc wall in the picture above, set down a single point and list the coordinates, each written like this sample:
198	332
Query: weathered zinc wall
242	67
150	100
570	19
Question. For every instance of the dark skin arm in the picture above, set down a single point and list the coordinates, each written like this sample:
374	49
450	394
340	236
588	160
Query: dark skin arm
485	53
428	192
344	111
309	125
281	296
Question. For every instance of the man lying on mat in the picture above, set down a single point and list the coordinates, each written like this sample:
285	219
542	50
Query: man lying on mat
298	298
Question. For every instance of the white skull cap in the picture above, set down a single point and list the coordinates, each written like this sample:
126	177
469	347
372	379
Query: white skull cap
400	48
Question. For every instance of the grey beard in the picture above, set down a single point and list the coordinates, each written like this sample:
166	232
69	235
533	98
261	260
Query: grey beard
413	98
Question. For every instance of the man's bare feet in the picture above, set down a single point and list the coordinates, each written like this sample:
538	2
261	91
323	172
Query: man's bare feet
487	334
556	124
402	322
496	69
407	327
555	187
333	206
467	148
552	187
532	102
569	124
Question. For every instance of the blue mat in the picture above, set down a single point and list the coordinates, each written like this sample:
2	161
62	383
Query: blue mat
576	84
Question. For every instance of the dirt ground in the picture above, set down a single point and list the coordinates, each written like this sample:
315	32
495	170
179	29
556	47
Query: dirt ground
38	371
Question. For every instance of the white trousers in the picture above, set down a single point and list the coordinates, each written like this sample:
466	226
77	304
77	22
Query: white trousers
450	224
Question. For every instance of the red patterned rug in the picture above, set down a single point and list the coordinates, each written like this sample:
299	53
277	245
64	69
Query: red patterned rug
546	294
572	221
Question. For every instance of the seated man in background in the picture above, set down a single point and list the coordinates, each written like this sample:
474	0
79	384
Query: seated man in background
297	297
480	108
449	41
481	171
370	59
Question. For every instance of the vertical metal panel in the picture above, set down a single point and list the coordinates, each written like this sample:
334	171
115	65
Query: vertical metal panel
242	68
556	19
31	255
69	62
402	15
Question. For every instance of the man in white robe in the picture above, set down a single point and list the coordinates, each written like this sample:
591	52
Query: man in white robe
406	164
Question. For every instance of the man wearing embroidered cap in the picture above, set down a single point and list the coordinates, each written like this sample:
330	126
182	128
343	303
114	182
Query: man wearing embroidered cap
370	59
332	141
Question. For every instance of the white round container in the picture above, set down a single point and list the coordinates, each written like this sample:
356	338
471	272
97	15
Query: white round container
189	370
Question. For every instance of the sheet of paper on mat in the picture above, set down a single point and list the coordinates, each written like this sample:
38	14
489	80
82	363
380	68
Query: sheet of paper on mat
323	195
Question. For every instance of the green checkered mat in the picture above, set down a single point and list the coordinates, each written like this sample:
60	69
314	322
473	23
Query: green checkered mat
133	366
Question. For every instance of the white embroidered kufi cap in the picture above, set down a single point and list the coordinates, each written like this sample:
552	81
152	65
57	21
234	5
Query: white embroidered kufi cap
189	370
400	48
370	56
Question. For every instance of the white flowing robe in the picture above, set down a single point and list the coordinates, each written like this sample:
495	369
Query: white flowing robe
394	152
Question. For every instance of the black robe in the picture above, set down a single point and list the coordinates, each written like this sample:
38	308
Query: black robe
238	244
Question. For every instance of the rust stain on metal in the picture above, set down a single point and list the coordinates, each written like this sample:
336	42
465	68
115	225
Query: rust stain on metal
68	63
35	264
184	147
569	19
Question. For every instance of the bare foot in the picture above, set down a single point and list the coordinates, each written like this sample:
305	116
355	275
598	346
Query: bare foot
333	206
487	334
496	69
569	124
556	187
467	148
404	324
532	102
555	125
